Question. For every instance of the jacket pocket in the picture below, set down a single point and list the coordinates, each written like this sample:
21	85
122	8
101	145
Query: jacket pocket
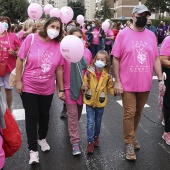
88	95
102	97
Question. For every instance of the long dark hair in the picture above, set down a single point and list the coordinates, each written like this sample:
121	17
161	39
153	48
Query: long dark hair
43	32
2	18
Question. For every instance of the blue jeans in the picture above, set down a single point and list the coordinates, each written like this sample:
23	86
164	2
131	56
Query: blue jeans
94	49
94	119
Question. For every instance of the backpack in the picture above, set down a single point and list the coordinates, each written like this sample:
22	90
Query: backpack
11	135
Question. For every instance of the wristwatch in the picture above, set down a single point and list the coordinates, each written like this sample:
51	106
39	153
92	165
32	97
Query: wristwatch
61	90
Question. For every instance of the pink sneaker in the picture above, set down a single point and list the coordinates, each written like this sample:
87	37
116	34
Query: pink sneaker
166	137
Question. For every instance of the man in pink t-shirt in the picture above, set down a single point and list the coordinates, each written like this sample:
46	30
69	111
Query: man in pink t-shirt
135	56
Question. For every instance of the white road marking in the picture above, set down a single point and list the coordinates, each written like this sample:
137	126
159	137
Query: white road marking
120	102
84	109
19	114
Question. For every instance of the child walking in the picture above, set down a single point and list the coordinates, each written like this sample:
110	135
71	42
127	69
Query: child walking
97	83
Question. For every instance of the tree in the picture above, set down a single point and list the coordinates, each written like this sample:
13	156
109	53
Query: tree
78	9
14	9
158	5
105	12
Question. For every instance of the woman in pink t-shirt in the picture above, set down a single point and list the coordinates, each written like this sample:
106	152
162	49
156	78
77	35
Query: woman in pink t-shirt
73	73
97	40
9	46
37	84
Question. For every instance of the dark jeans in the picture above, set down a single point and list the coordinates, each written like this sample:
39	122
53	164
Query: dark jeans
94	49
36	111
94	120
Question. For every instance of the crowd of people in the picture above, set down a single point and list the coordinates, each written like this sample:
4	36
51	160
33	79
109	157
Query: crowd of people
129	49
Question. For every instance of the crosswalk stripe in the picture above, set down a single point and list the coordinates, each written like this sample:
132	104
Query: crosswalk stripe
120	102
19	114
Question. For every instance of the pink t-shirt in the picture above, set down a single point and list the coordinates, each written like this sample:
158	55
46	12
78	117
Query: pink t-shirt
109	33
10	40
165	47
2	154
21	35
96	39
137	52
42	61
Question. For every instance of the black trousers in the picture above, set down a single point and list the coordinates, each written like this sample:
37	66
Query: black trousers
166	100
36	112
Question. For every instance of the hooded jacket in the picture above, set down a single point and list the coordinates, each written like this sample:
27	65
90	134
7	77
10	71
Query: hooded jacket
96	94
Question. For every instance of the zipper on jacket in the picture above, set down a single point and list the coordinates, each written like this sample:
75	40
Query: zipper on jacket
96	88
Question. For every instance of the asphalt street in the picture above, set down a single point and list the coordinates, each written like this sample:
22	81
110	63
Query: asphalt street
153	155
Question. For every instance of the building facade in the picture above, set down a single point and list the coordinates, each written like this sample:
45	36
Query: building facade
123	8
90	7
55	3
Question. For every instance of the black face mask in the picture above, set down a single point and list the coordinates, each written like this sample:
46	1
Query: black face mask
148	25
141	21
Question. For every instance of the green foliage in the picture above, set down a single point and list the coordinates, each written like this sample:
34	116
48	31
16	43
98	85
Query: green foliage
105	13
78	8
14	9
158	5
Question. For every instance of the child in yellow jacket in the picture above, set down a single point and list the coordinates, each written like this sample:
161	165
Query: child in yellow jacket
97	82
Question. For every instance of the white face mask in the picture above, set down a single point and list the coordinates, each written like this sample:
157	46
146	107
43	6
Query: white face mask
52	33
99	64
88	27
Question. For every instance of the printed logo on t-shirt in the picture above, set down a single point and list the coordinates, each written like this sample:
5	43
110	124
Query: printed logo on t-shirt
140	57
44	58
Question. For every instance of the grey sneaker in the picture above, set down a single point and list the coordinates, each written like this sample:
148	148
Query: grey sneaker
130	153
63	113
76	149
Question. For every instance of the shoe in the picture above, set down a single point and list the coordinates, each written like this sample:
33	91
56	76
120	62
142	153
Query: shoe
90	147
34	158
166	137
136	144
63	113
163	122
96	141
44	145
76	149
130	153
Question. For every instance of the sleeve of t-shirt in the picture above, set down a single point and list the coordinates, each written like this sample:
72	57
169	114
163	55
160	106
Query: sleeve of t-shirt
21	35
116	50
17	42
155	45
165	47
25	47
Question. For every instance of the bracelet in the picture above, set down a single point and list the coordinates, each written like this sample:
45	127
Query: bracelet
61	90
159	81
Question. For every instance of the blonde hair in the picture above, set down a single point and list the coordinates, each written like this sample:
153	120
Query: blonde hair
27	24
107	66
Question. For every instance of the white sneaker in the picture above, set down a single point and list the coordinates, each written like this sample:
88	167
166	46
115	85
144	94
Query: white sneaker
34	158
44	145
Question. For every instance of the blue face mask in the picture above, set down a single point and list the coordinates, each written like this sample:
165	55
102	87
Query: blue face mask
99	64
5	25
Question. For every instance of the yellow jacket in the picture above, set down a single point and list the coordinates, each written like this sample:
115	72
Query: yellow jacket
96	93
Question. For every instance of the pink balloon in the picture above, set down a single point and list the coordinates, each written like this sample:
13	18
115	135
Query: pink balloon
55	12
2	28
66	14
80	19
105	25
69	50
34	11
48	8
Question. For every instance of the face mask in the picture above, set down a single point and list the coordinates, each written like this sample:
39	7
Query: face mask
93	25
69	27
148	25
141	21
99	64
88	27
52	33
5	25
